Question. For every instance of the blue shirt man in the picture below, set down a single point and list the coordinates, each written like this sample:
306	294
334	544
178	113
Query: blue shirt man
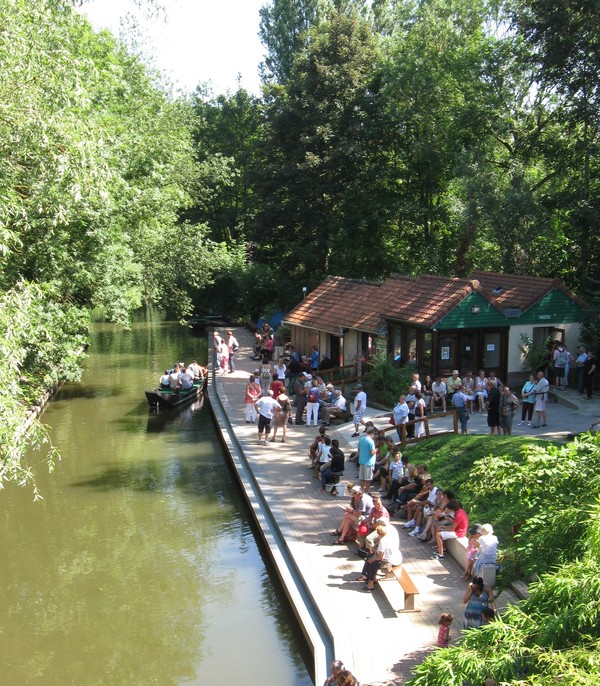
314	359
366	459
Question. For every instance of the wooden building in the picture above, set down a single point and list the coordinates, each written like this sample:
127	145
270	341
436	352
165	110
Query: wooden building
437	323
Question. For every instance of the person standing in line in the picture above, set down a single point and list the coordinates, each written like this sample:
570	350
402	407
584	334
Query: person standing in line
460	402
360	405
300	393
400	414
540	392
281	417
266	377
232	347
579	362
508	407
493	413
420	412
312	404
589	370
560	358
528	401
411	400
250	397
314	360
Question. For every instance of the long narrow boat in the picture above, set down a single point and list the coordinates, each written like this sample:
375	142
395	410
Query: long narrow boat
165	399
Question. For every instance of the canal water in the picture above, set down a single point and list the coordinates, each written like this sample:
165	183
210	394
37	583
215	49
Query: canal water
139	566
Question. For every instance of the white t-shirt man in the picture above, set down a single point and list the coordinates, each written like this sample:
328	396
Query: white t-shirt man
389	545
267	406
361	397
401	413
439	388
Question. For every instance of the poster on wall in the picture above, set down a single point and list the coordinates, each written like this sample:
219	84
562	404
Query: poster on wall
445	352
491	347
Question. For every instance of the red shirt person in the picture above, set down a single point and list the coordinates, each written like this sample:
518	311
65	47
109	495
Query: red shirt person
457	529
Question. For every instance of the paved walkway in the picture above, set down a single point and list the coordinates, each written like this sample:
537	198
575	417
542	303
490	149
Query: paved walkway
378	645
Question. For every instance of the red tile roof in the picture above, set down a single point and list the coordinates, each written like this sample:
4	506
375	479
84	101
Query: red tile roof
336	302
356	304
423	300
508	291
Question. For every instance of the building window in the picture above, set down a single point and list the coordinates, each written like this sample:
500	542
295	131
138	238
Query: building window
396	339
427	352
544	335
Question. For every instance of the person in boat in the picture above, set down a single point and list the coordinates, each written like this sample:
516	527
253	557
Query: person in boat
196	370
186	379
174	379
163	384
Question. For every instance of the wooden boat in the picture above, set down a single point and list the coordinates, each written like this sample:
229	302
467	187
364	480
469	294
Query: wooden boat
201	322
166	399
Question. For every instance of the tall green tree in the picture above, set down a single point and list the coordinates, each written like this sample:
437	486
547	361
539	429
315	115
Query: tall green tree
284	31
565	38
321	183
96	161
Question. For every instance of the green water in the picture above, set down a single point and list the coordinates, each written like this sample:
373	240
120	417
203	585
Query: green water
139	566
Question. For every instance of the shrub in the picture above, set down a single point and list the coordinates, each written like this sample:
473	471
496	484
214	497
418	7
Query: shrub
386	382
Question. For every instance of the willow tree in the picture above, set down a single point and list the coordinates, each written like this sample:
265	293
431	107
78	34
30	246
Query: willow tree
96	161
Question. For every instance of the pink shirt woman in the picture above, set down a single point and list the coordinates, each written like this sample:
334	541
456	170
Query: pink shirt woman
252	394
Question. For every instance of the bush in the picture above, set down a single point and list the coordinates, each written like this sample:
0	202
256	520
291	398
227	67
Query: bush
387	382
538	495
550	638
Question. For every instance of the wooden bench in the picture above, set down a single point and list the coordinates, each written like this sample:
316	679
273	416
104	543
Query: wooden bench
346	417
401	599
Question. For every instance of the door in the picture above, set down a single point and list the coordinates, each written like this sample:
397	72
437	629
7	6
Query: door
468	354
491	353
447	353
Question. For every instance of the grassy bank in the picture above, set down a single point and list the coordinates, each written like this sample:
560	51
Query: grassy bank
536	494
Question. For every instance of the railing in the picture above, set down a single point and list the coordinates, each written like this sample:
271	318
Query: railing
340	375
427	419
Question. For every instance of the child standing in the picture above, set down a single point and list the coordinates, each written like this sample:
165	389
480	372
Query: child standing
443	638
472	550
323	455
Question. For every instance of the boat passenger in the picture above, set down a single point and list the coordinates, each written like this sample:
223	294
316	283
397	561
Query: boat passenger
164	381
186	379
174	379
195	369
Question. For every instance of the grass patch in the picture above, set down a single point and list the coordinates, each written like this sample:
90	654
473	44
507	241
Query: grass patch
459	463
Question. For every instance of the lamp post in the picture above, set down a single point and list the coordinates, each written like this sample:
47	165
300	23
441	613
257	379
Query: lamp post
304	289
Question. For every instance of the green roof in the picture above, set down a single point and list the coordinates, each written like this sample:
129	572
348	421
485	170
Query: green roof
555	307
463	315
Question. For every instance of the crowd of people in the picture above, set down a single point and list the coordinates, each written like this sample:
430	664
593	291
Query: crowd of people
466	395
432	515
291	390
182	377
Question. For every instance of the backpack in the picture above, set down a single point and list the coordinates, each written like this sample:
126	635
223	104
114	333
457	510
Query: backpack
561	359
265	373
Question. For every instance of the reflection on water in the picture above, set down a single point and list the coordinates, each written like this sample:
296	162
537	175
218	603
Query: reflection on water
139	566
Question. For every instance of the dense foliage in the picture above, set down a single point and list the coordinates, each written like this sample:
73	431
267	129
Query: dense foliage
96	162
388	128
544	503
